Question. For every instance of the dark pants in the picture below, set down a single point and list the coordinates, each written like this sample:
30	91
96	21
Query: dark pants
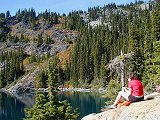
135	99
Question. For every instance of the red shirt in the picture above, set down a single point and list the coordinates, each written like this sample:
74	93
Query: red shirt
136	87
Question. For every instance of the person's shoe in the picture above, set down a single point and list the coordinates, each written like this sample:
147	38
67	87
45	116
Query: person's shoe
112	106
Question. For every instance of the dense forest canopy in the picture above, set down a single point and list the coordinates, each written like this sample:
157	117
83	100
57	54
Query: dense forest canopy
132	27
136	31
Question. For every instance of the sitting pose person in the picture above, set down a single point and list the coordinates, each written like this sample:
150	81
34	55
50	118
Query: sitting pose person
133	93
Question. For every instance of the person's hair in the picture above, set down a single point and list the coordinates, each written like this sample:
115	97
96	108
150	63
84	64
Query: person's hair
132	76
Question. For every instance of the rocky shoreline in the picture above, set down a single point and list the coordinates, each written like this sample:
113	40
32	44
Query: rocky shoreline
100	90
33	90
28	98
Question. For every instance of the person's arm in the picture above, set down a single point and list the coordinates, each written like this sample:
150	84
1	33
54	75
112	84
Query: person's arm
128	90
130	87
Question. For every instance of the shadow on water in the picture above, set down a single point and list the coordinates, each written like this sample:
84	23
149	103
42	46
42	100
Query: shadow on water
12	108
86	103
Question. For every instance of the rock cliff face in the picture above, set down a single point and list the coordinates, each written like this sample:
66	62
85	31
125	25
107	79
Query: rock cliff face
145	110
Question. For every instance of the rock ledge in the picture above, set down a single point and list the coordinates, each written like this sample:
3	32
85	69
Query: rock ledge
145	110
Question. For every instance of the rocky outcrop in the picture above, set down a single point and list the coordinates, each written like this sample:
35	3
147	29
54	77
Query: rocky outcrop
57	35
25	84
35	49
145	110
59	39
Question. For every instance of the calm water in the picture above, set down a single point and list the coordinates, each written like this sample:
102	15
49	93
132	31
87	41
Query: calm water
13	109
86	103
10	108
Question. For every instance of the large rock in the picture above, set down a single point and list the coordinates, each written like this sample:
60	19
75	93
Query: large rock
145	110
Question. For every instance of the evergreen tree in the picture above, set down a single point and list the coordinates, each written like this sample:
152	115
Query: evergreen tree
8	14
156	22
136	64
41	80
53	82
53	109
152	72
103	72
37	112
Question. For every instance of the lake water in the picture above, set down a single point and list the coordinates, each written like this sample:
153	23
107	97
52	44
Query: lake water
87	103
10	108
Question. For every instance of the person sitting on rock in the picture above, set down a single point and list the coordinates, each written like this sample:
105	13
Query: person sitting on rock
134	92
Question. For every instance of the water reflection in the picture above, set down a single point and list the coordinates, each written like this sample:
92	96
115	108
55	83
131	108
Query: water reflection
86	103
12	107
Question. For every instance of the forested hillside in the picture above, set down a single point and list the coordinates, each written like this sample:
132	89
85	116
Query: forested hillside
48	50
126	27
94	37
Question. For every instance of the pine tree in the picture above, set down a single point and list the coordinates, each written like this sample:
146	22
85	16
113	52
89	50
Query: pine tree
152	71
38	110
53	109
103	72
53	82
156	22
136	64
41	80
8	14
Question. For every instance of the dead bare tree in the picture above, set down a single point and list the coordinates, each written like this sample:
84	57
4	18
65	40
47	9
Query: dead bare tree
118	65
